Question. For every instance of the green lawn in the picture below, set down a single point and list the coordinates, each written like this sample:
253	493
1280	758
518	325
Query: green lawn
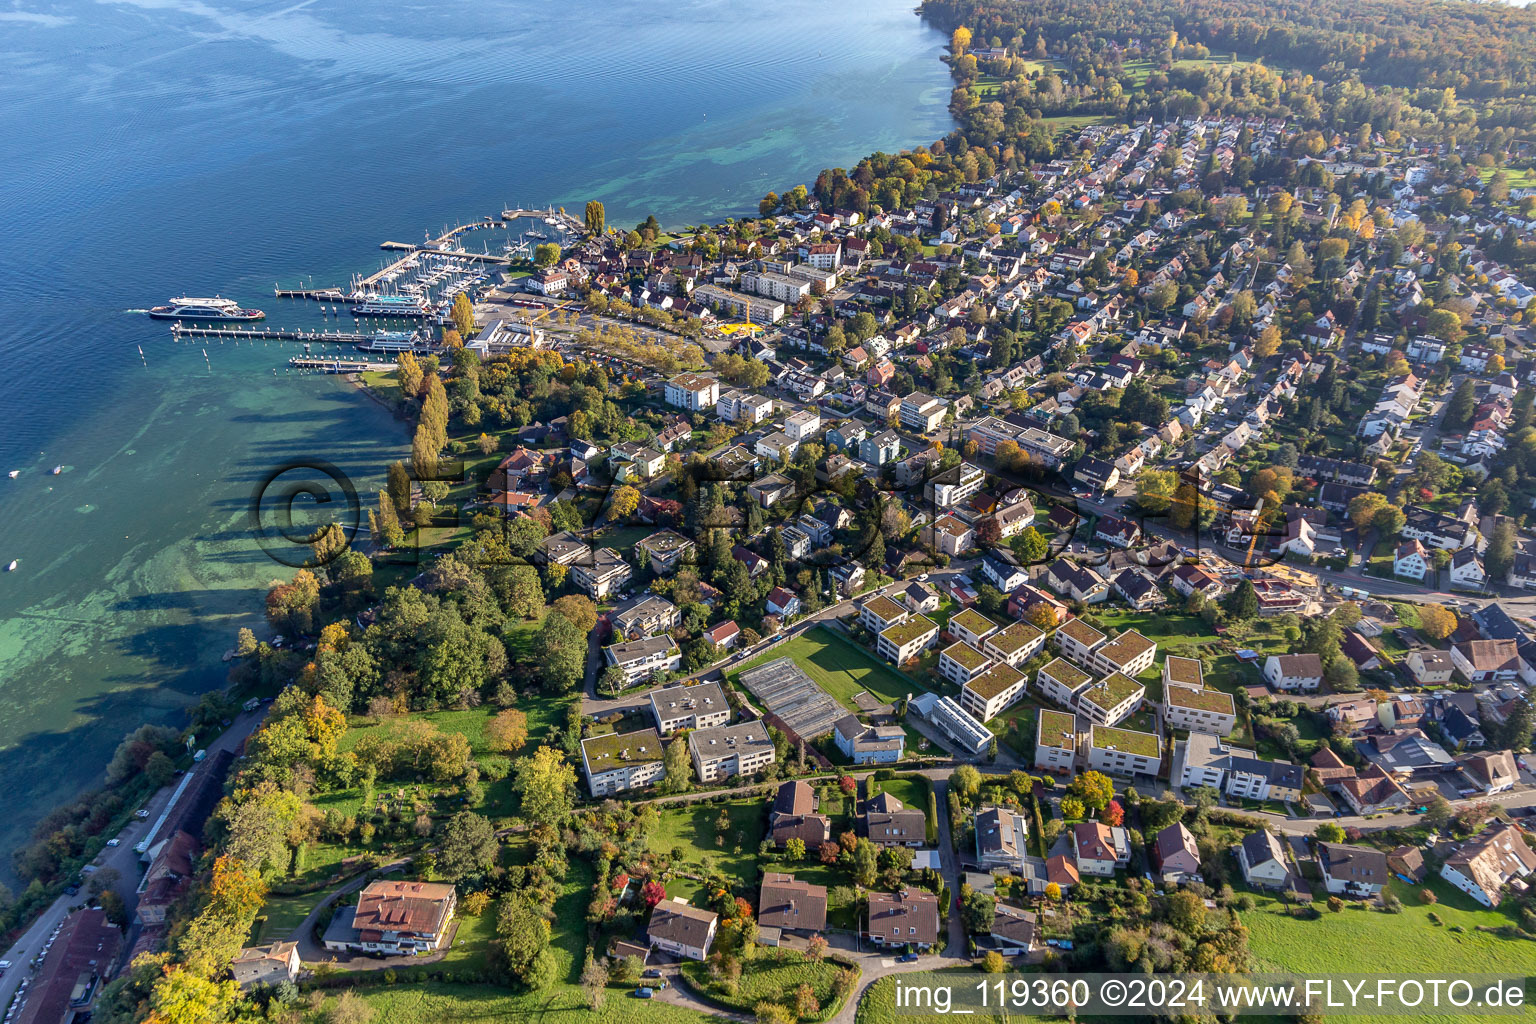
446	1003
281	915
839	666
1407	943
772	976
692	827
910	792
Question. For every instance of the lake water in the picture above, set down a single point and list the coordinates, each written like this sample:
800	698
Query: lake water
161	147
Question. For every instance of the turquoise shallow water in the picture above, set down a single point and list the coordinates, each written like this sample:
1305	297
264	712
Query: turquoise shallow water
158	147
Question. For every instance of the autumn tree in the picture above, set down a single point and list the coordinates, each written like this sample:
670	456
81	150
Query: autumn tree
579	609
463	315
1437	621
596	218
546	785
960	40
507	732
624	502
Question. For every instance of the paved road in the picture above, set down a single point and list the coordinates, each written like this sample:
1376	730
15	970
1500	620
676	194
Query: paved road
123	859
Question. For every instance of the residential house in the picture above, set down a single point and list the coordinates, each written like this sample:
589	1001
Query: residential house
865	744
1430	668
791	906
270	964
1099	849
1293	672
909	917
682	930
1001	838
394	917
1263	861
886	821
1487	661
1483	865
1352	870
1175	857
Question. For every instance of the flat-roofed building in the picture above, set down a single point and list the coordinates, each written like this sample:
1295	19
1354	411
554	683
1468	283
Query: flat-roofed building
644	658
666	549
1184	671
1198	709
1078	640
1123	751
1111	700
692	391
729	750
1055	740
646	615
1015	644
880	613
907	639
615	762
1061	681
1130	653
922	413
960	663
954	721
700	706
600	576
971	626
990	693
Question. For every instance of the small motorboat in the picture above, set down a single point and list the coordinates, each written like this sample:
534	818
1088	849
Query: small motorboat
57	470
13	474
14	563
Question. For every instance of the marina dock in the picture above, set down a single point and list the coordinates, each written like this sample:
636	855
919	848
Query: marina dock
270	334
322	365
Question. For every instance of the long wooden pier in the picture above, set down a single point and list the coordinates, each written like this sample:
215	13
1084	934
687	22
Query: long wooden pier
269	334
323	365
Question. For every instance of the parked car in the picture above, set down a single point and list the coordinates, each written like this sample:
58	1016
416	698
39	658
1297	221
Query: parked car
907	958
654	972
644	993
114	842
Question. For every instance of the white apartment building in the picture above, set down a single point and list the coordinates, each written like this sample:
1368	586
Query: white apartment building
692	391
992	692
728	750
907	639
700	706
619	761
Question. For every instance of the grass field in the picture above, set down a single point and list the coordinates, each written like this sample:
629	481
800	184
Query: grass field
1523	177
772	977
1408	943
839	666
280	915
692	828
